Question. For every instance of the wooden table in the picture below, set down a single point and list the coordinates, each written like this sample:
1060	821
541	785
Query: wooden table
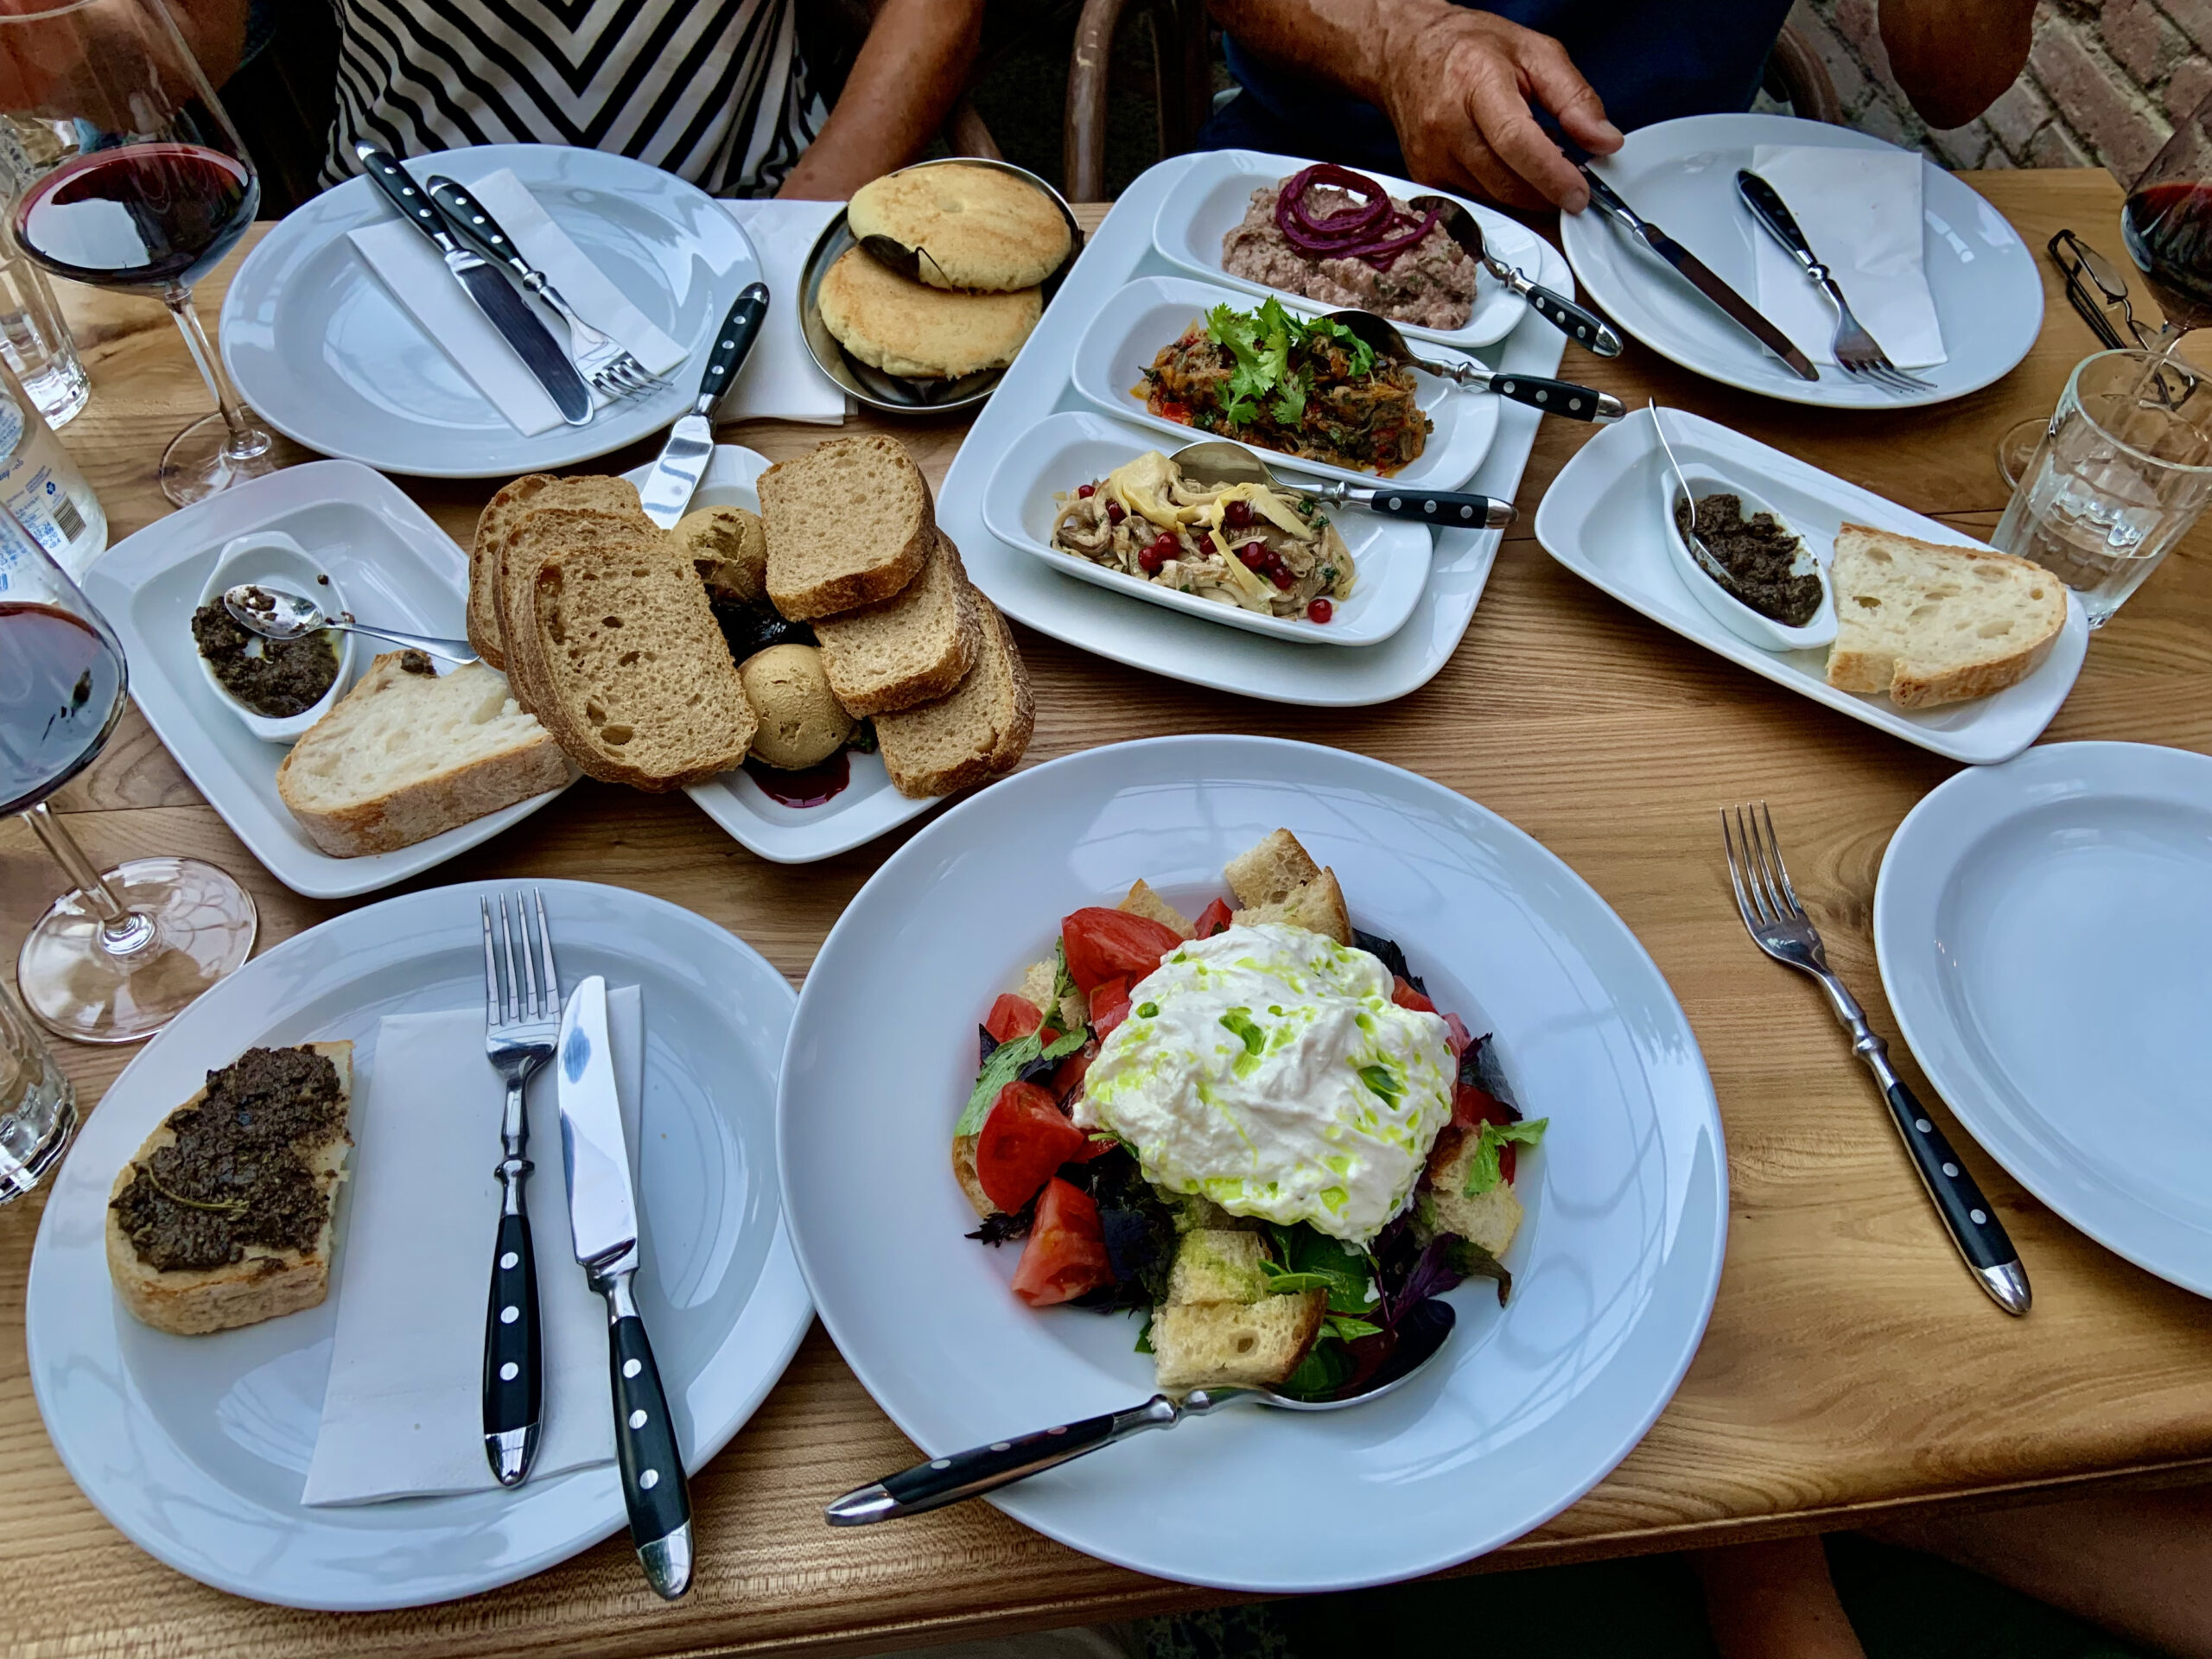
1852	1369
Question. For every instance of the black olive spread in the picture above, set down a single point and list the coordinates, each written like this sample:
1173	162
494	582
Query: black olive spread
235	1175
1758	553
285	677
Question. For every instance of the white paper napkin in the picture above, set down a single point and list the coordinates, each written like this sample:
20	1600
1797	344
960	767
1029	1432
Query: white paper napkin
415	272
780	380
403	1413
1860	210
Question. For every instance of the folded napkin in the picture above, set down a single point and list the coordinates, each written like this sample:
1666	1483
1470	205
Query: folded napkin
1860	210
415	272
402	1415
780	380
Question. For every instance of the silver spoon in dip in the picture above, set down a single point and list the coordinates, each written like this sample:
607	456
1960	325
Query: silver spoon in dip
1690	539
274	614
1223	461
1549	397
1585	328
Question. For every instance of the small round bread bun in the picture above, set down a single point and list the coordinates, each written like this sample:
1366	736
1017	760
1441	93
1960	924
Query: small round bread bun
729	548
972	227
801	724
923	333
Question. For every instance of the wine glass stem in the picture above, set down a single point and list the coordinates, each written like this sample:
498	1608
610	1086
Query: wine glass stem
122	930
246	439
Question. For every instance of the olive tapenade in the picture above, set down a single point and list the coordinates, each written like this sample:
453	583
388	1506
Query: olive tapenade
235	1174
1759	556
285	677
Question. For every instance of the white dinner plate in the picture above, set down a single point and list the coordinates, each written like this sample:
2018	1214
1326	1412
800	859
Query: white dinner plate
394	566
319	347
1151	313
1390	555
2042	928
1528	1406
1681	176
1601	519
197	1448
1216	191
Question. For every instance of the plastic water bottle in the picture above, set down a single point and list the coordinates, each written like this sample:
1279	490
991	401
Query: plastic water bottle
44	491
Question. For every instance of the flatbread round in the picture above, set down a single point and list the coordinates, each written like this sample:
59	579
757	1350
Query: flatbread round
972	227
924	333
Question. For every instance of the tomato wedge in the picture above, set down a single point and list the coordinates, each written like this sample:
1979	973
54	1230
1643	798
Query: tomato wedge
1068	1075
1025	1139
1457	1034
1110	1006
1406	997
1214	918
1103	944
1012	1016
1472	1107
1066	1252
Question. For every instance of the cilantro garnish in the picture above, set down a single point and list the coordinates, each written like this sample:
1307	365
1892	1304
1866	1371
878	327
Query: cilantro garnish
1483	1173
1264	344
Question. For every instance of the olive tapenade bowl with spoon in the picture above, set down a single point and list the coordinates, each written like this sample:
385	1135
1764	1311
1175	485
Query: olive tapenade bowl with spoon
273	560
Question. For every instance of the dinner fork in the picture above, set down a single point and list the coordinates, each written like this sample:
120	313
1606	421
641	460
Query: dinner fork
1778	925
1855	350
604	362
519	1032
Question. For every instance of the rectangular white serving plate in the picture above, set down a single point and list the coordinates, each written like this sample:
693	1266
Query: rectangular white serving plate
1130	630
395	566
1600	519
1216	191
1389	556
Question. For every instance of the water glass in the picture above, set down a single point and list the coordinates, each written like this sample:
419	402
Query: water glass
38	1106
2123	471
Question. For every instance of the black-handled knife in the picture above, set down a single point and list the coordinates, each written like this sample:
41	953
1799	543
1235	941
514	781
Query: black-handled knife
675	475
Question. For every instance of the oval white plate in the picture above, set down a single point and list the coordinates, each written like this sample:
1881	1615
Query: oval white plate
1530	1405
1726	609
196	1447
330	358
1153	312
1214	195
1390	555
1681	176
2041	928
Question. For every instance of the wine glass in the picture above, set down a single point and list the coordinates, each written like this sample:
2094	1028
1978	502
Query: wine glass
123	953
137	181
2166	223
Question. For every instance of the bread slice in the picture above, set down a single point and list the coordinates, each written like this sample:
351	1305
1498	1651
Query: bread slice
1319	906
1217	1345
409	754
536	537
1931	624
1488	1219
1141	901
914	646
1270	872
850	524
263	1285
979	731
500	515
1218	1264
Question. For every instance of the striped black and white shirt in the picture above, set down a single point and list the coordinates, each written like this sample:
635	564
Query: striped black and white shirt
713	90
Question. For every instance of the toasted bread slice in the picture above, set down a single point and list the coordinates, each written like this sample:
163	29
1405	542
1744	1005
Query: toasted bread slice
1319	906
1215	1345
1141	901
1269	873
850	524
1488	1219
1218	1264
500	515
1038	984
912	648
1930	624
963	1171
979	731
535	536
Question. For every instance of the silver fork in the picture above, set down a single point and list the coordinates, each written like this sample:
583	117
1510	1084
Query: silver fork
520	1033
1778	925
1854	348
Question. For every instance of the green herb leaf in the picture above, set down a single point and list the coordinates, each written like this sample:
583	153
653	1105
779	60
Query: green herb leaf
1005	1064
1283	1282
1470	1260
1328	1366
1148	1010
1063	985
1144	1331
1345	1330
1384	1081
1304	1252
1483	1173
1238	1021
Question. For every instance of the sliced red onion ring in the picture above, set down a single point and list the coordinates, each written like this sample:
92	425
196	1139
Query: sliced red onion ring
1374	230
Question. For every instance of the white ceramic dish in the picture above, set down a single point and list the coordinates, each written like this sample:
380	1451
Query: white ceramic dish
1601	518
196	1448
328	357
1528	1406
274	561
1391	557
392	562
2041	929
1725	609
1152	638
1153	312
1217	191
1681	176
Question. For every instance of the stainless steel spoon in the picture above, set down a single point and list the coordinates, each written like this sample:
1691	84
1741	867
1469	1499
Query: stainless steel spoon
1585	328
931	1486
1695	542
1552	397
1219	460
274	614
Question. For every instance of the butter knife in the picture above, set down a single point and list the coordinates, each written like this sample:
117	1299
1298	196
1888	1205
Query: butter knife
1700	276
667	492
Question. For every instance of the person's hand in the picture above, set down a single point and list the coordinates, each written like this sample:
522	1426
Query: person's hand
1458	89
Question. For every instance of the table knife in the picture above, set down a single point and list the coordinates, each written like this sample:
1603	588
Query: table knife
676	474
603	1223
1700	276
504	309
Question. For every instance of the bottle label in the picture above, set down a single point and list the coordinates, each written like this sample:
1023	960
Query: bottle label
34	492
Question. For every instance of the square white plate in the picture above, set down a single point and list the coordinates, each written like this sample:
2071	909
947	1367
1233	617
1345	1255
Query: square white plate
1390	557
1601	519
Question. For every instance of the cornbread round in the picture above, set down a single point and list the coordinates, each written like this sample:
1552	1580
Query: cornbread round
923	333
973	227
801	723
729	550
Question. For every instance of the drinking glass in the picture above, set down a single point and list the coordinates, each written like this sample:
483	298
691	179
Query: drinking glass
145	186
124	952
38	1106
2167	222
2123	471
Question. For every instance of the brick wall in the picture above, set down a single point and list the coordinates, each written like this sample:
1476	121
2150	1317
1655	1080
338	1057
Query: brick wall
2105	81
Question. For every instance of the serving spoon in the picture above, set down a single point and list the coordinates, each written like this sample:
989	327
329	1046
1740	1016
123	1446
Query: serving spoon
1551	396
1690	539
931	1486
1585	328
1220	460
274	614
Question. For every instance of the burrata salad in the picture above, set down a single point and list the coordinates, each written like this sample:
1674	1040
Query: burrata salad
1252	1127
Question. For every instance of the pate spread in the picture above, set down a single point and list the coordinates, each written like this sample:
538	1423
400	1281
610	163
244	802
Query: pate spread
1431	284
283	678
1759	554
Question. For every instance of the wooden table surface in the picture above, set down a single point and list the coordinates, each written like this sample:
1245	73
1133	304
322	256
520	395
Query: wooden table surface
1851	1368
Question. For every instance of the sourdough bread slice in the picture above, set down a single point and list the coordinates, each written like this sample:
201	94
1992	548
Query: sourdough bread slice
977	732
500	515
910	648
565	513
1270	871
849	524
409	754
1488	1219
1930	624
1318	908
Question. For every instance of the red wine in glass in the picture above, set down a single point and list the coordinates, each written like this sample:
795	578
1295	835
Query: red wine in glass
60	689
2168	229
139	216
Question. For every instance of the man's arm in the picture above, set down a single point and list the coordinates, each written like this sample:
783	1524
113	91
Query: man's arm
1954	58
909	73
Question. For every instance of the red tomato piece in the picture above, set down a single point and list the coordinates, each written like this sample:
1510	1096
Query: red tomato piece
1214	918
1025	1139
1110	1006
1406	997
1066	1252
1068	1075
1508	1161
1103	944
1012	1016
1457	1034
1472	1108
